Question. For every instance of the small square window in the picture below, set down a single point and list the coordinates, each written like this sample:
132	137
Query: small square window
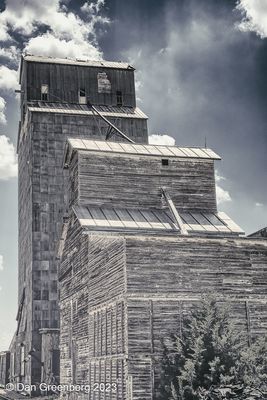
44	92
165	161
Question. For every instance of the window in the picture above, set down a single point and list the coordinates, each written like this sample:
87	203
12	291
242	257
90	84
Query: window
82	96
44	92
165	161
119	98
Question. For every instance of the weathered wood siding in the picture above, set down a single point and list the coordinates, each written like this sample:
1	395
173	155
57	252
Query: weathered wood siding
42	201
130	293
184	266
65	81
93	316
50	356
136	181
165	278
42	204
4	367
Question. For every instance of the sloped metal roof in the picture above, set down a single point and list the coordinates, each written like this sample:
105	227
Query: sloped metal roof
77	61
77	109
152	150
116	219
262	233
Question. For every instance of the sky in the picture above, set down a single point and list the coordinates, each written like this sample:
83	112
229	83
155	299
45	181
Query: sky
200	77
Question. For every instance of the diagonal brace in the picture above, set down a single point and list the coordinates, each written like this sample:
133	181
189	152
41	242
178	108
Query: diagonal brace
174	212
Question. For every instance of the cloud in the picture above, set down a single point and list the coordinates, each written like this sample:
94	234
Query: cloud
64	34
259	204
55	47
90	7
1	263
8	159
223	195
2	111
8	78
161	140
254	16
10	53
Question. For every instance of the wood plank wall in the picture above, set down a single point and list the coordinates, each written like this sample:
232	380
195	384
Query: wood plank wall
92	336
65	81
135	181
165	278
4	367
118	317
41	208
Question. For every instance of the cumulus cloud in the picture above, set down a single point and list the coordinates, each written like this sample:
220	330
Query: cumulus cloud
161	140
8	78
8	159
91	7
223	195
49	45
254	16
1	263
2	111
64	33
10	53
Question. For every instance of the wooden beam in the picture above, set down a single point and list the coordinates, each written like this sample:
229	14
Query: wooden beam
174	212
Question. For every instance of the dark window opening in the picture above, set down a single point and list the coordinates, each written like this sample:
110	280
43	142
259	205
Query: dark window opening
165	161
119	98
82	92
82	96
44	92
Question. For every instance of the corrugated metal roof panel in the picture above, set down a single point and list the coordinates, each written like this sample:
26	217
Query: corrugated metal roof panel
154	219
152	150
123	112
82	62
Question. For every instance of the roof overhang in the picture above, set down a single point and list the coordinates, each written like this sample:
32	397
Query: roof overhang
159	221
73	145
78	62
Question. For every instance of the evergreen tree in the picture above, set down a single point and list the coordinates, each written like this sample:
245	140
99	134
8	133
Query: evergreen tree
208	353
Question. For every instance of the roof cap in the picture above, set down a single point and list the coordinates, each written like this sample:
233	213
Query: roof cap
137	149
77	61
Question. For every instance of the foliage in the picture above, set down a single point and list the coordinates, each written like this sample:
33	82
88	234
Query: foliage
210	354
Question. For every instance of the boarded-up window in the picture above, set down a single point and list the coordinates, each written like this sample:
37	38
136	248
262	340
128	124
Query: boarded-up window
44	92
82	96
103	83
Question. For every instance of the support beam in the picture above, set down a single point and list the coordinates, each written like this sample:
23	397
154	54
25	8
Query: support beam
110	123
174	212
